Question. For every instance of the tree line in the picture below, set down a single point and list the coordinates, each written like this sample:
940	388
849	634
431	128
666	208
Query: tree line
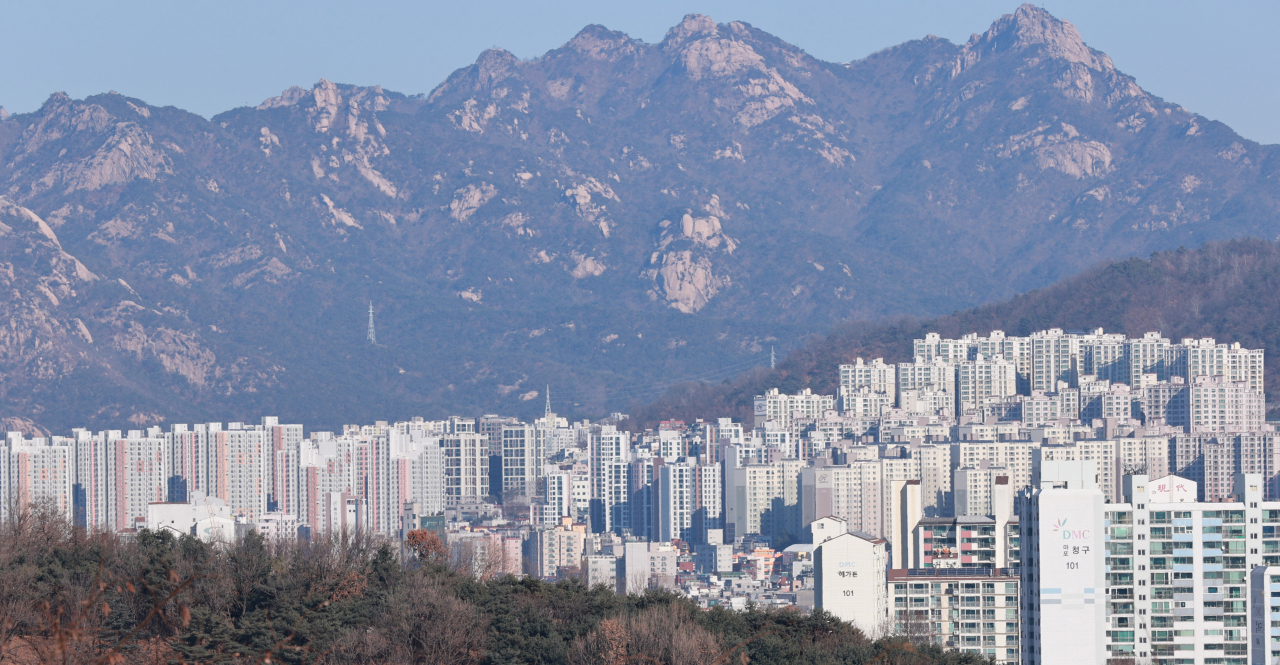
71	596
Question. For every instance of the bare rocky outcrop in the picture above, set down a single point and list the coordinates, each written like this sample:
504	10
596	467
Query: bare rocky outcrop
467	200
682	268
117	151
686	281
24	425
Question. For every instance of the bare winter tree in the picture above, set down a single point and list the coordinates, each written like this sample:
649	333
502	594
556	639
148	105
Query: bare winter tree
662	634
423	623
913	625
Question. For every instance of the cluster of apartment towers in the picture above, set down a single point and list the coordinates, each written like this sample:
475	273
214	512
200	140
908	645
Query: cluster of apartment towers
922	472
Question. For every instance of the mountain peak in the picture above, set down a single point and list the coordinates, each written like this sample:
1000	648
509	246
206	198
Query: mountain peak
57	99
693	26
494	65
600	43
1031	26
288	97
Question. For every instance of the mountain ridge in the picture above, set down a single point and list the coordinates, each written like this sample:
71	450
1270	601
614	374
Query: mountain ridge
606	217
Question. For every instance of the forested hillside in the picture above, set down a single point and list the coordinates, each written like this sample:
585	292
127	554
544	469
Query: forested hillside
1225	290
72	597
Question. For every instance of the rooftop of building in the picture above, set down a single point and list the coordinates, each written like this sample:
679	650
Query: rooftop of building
967	574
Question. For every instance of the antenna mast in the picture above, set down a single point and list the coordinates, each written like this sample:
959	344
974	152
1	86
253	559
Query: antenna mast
373	339
773	359
548	414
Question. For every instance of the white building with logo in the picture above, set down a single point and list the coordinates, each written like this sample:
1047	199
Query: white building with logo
1064	573
850	580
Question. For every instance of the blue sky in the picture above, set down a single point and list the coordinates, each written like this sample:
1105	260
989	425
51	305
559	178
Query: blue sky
1218	59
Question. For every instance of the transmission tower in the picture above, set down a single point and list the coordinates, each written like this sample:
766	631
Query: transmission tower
773	359
373	338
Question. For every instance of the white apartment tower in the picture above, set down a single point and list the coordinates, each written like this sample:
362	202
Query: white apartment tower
674	494
935	375
763	498
853	492
523	458
1217	404
1064	573
466	467
1179	570
1054	358
850	571
1205	357
785	409
983	380
875	376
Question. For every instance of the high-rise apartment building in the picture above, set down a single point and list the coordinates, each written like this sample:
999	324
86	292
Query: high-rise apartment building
466	467
687	501
763	499
787	409
978	490
971	611
876	377
937	376
553	550
37	470
1217	404
135	477
1178	580
1064	573
674	501
1055	356
524	456
983	380
850	571
865	403
1147	355
608	458
1194	358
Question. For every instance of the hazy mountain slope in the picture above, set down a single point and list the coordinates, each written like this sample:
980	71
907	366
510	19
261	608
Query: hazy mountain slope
1223	290
605	218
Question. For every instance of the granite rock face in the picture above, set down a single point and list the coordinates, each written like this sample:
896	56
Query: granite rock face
605	218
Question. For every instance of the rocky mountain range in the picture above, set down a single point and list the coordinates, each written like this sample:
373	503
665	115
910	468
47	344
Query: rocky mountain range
606	219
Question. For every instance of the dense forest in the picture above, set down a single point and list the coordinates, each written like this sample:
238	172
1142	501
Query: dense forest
1225	290
67	596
